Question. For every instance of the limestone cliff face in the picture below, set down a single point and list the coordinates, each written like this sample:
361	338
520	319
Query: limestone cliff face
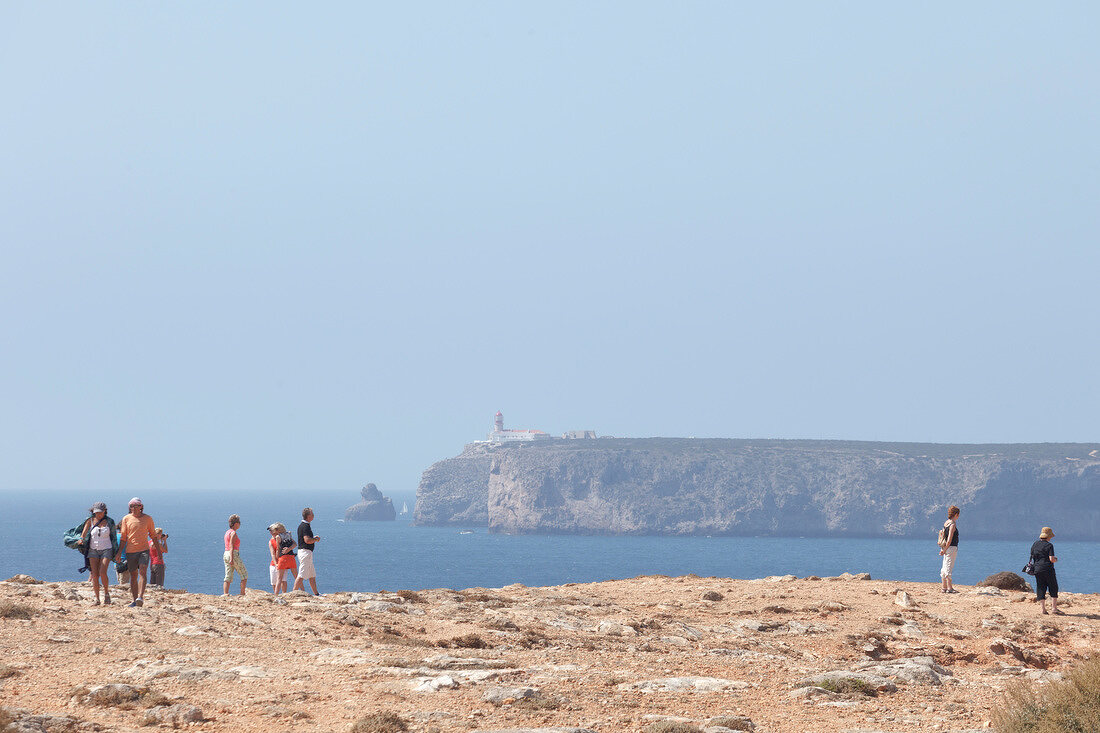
756	487
455	491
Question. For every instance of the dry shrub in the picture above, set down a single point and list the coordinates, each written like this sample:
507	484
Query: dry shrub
847	685
10	609
7	721
124	697
395	662
501	625
385	722
467	641
6	670
733	723
1073	704
534	639
712	595
411	596
671	726
392	637
473	597
539	703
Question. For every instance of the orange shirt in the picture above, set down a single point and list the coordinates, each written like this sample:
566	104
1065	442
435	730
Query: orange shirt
137	532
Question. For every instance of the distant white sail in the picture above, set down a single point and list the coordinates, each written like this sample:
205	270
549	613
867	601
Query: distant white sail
404	507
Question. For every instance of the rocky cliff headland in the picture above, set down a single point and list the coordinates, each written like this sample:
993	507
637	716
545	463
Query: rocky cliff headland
773	655
765	487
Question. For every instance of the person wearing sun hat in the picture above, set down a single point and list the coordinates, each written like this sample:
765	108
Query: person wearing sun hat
1042	555
137	529
101	544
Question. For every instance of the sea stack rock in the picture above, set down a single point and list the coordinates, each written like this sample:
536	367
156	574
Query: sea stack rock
373	508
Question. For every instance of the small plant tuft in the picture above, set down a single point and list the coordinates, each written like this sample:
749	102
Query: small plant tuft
10	609
411	596
467	641
847	685
732	722
1072	704
384	722
671	726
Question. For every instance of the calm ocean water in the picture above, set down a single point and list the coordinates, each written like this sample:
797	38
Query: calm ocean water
373	556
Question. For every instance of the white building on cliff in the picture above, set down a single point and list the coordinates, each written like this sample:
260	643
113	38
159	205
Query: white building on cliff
499	435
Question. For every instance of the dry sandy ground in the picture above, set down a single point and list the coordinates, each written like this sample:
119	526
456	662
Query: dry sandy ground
612	656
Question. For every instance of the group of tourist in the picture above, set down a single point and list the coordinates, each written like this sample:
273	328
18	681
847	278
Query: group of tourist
135	544
1041	561
132	545
283	550
136	547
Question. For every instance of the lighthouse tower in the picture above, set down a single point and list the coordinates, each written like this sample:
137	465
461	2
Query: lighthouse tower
498	422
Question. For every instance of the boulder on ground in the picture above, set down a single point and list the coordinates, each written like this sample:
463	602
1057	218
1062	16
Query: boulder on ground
1007	581
173	715
25	579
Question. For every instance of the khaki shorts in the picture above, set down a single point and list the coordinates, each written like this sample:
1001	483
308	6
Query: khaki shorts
305	565
233	562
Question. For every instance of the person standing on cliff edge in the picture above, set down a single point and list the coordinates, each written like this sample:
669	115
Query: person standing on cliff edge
307	542
950	548
137	528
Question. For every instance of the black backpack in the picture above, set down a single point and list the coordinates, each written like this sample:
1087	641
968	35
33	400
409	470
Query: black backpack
286	544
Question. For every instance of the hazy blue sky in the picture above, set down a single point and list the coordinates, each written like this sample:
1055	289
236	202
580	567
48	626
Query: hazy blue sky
253	245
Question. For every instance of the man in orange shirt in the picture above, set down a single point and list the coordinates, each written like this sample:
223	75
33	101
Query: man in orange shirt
137	528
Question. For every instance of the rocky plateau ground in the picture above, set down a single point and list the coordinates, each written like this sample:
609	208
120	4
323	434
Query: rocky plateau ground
771	655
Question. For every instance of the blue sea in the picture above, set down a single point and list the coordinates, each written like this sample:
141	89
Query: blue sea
372	556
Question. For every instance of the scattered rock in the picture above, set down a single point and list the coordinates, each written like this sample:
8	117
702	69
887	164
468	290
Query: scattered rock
173	715
685	684
24	579
839	677
503	695
812	692
904	600
610	628
711	595
433	684
534	730
342	655
911	670
197	631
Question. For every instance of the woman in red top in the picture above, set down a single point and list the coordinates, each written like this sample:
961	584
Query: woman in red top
158	545
232	556
282	557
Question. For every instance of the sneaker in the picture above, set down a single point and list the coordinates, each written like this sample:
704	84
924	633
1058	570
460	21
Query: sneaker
106	600
140	602
132	604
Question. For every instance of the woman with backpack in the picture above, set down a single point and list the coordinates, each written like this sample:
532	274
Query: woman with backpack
100	541
949	548
282	557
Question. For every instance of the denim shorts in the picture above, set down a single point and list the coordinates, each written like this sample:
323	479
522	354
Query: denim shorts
106	552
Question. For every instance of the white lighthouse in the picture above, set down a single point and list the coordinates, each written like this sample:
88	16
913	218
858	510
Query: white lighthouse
500	435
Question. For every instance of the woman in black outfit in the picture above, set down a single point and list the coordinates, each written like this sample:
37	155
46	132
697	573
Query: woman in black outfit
1042	554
